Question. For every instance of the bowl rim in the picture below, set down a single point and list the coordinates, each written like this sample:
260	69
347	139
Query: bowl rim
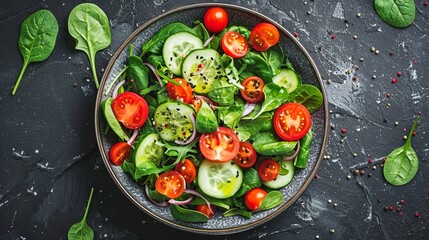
231	230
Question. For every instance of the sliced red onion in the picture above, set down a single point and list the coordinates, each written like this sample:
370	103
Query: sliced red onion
193	192
194	132
160	204
248	108
184	202
204	69
115	91
133	137
208	41
155	73
293	156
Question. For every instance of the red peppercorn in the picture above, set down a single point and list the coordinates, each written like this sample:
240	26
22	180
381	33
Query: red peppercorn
388	95
399	73
333	36
390	208
417	215
419	113
398	209
402	201
425	3
343	130
295	35
394	80
370	160
354	78
414	133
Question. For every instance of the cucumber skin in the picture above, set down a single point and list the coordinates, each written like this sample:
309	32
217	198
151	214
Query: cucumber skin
282	180
147	140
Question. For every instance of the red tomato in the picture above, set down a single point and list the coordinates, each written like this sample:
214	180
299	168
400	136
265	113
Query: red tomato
187	169
171	183
130	109
234	44
263	36
291	121
246	156
182	92
119	152
216	19
268	170
253	89
197	101
203	208
254	197
221	145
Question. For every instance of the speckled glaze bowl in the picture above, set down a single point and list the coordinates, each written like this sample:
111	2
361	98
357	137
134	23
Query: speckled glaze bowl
300	59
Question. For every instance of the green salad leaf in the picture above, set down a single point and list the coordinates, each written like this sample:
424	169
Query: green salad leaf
396	13
81	230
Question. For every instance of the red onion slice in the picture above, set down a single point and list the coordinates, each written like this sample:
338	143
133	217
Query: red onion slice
184	202
155	73
160	204
208	41
248	108
193	192
293	156
115	91
133	137
194	132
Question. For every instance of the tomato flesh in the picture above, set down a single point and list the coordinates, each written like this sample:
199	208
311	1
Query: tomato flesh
119	152
182	93
263	36
254	198
221	145
253	89
268	170
171	184
187	169
130	109
197	102
234	44
216	19
246	156
204	208
292	121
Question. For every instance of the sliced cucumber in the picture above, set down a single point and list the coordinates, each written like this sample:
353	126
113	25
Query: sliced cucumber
149	151
219	179
288	79
282	180
201	68
176	47
173	121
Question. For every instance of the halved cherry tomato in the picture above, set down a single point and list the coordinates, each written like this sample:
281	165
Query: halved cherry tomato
182	92
119	152
221	145
234	44
130	109
254	198
292	121
203	208
268	170
187	169
216	19
263	36
246	156
171	183
197	101
253	89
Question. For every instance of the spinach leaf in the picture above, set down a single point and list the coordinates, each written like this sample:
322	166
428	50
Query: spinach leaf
240	29
257	64
227	63
187	215
237	211
203	34
397	13
304	150
222	92
267	144
81	230
223	203
309	96
90	27
36	39
273	199
231	115
113	123
138	72
250	180
275	96
248	129
206	119
401	164
274	57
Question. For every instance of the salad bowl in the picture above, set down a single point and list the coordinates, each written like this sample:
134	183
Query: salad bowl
302	63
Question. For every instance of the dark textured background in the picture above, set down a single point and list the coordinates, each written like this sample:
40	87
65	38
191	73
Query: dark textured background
49	158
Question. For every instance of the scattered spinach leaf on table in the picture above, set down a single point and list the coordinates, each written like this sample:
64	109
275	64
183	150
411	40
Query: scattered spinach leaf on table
397	13
81	230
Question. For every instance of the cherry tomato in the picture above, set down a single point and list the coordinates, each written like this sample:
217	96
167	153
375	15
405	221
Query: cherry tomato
291	121
268	170
197	101
182	92
203	208
246	156
119	152
221	145
263	36
171	183
254	198
234	44
187	169
130	109
216	19
253	89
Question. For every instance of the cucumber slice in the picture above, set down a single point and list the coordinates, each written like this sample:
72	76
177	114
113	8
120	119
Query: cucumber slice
219	179
176	47
288	79
282	180
201	68
173	121
148	151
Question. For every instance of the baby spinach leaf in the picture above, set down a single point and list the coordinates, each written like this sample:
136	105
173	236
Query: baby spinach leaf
273	199
89	26
138	72
36	39
267	144
397	13
222	92
238	211
401	164
304	150
187	215
113	123
247	129
274	97
203	34
257	65
230	115
223	203
250	180
274	57
81	230
206	119
309	96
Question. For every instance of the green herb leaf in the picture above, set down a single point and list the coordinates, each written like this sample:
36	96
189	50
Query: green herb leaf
397	13
138	72
81	230
89	26
304	150
187	215
401	164
250	180
36	39
307	95
113	123
273	199
237	211
274	97
206	119
267	144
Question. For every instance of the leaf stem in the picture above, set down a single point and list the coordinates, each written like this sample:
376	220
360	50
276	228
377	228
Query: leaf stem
410	134
18	81
88	204
94	72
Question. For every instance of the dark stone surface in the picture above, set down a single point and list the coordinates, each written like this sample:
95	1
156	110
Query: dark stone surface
49	158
